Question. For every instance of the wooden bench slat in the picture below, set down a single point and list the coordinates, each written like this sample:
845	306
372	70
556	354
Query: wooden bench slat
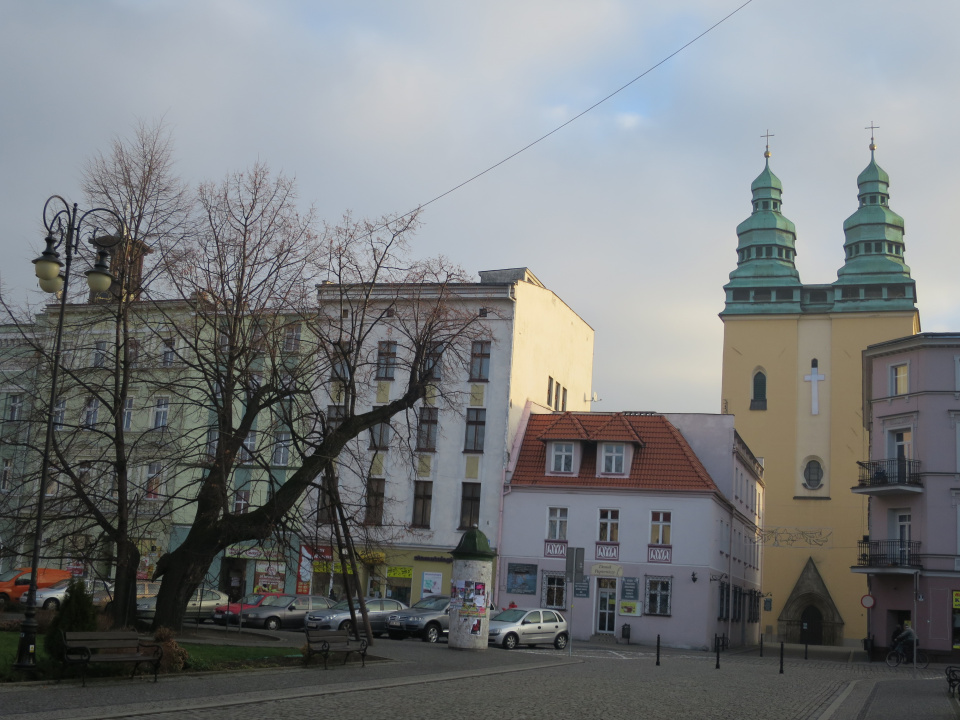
80	649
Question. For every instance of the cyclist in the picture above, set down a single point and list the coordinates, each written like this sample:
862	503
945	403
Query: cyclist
904	642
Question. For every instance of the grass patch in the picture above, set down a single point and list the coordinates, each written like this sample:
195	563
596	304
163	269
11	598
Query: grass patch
229	657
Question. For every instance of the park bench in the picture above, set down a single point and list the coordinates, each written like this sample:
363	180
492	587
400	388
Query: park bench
323	642
953	677
83	648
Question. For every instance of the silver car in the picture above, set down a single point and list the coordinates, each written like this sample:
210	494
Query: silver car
199	607
338	616
51	598
283	611
528	627
428	619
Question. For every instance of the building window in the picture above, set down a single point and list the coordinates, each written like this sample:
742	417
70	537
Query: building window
613	459
609	526
59	414
386	360
90	412
380	436
154	480
427	429
326	512
432	362
480	360
563	403
335	416
213	440
241	502
899	383
557	523
658	595
127	413
374	504
15	407
168	352
724	609
99	357
161	412
476	425
422	500
549	391
340	362
813	475
759	400
554	591
660	528
562	457
281	449
469	505
249	448
6	476
291	338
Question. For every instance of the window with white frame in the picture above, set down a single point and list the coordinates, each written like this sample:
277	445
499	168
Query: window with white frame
90	412
249	447
291	338
899	379
161	412
15	407
609	526
213	440
241	502
554	590
562	457
6	476
128	413
658	595
613	458
59	414
557	523
99	356
154	480
386	360
281	449
660	528
168	352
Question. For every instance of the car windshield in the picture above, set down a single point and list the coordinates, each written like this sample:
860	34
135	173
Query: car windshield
9	575
61	584
345	604
511	615
277	600
251	599
437	602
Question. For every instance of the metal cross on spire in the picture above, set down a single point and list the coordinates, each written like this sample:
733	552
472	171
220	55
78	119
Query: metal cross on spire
871	127
768	135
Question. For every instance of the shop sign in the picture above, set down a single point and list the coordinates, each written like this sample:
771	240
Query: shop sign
607	551
956	599
554	548
581	589
268	576
75	567
253	553
336	568
432	584
606	570
308	556
400	572
630	588
659	553
629	607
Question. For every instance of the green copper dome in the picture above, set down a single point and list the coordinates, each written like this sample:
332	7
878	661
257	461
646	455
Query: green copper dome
473	546
767	180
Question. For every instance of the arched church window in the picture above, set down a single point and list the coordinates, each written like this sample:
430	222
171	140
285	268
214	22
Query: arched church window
813	475
759	400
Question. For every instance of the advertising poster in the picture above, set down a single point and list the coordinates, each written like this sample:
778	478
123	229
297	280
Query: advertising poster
431	584
521	578
469	597
269	576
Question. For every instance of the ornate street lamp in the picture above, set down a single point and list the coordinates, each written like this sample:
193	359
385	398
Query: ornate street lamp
65	228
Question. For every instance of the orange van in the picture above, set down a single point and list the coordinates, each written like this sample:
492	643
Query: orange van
13	583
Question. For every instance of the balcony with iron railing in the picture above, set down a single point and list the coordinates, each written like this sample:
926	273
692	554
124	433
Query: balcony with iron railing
889	477
888	556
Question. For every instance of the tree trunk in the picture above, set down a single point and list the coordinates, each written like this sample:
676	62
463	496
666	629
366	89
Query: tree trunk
182	571
123	606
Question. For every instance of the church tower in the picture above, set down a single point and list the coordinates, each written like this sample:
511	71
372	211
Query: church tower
792	377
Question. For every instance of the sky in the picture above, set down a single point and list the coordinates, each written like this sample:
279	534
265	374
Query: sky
628	213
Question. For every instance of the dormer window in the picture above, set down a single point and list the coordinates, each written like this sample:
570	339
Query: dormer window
613	458
562	457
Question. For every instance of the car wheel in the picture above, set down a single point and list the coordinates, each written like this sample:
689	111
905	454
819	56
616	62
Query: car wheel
510	641
347	626
51	604
396	635
3	602
272	623
432	633
560	642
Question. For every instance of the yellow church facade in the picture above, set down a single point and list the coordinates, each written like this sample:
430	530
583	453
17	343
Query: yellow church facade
792	376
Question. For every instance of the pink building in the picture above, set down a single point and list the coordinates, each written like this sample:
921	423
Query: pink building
911	557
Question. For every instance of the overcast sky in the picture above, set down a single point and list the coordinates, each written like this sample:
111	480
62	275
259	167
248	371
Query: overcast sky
629	214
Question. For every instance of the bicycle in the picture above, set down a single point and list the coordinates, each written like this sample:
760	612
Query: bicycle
897	657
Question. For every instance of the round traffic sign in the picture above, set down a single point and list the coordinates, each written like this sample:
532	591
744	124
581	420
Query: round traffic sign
867	601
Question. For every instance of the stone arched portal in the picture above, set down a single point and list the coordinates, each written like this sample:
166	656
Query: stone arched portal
810	599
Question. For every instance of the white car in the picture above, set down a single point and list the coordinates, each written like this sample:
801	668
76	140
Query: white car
519	626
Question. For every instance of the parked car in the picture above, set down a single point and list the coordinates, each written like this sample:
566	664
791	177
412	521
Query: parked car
230	613
144	589
338	616
51	598
199	608
429	619
14	582
283	611
519	626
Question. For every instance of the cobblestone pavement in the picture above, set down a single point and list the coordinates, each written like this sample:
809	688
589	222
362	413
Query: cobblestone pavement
423	681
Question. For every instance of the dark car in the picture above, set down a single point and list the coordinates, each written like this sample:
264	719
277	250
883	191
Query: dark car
428	619
283	611
338	616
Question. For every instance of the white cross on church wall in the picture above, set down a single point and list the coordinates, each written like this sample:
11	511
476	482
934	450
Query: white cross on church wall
814	377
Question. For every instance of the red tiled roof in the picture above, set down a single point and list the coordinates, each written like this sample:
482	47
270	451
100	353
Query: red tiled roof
662	459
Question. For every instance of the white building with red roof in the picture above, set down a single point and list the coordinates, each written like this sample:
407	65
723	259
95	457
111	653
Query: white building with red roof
668	510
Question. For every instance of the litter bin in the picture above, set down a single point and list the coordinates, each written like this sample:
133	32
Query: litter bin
625	632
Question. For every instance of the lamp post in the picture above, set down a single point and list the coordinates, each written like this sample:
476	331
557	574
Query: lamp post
65	228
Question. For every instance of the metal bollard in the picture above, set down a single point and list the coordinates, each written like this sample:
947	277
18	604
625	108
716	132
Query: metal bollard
806	647
761	644
718	654
658	650
625	632
781	657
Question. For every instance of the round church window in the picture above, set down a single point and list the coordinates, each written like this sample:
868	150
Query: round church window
813	475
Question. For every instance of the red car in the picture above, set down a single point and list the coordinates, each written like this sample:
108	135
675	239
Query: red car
223	614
